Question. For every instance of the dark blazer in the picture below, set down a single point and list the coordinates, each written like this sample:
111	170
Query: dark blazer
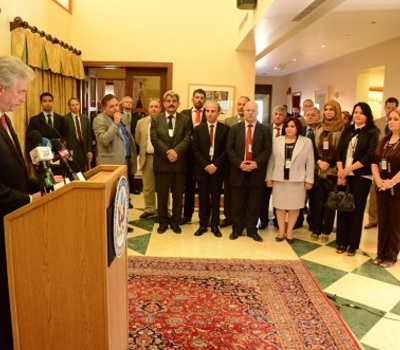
189	113
36	123
201	150
315	150
261	148
162	142
71	136
365	148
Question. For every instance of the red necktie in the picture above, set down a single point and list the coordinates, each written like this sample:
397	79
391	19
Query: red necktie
197	120
278	131
249	154
4	123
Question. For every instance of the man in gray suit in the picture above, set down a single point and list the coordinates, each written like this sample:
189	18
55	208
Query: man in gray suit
171	136
79	135
115	143
238	118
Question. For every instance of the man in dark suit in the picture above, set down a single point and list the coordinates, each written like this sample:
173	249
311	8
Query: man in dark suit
45	121
79	135
249	147
279	114
197	116
209	149
170	134
15	183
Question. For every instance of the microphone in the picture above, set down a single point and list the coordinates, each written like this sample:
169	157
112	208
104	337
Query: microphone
53	128
40	157
63	154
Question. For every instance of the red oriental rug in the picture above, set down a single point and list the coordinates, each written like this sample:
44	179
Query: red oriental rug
180	303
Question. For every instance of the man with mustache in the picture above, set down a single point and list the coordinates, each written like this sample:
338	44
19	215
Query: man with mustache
170	134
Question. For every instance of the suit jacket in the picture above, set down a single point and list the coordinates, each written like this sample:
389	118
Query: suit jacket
72	139
381	124
39	123
231	120
110	142
261	148
141	136
365	147
161	141
201	150
302	163
304	133
15	183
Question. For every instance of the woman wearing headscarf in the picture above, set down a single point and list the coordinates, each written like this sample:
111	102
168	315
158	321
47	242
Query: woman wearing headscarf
355	151
386	171
327	138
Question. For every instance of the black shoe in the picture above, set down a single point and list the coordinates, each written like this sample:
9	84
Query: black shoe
145	215
263	225
130	229
257	237
130	205
200	231
290	240
234	235
184	220
162	228
135	192
176	228
215	230
226	223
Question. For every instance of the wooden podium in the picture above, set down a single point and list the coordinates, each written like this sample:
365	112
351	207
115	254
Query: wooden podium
65	292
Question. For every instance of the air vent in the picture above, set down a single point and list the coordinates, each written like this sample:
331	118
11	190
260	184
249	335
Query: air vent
310	8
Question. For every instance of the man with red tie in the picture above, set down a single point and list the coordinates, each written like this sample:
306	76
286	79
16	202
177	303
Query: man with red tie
249	147
15	183
209	149
198	116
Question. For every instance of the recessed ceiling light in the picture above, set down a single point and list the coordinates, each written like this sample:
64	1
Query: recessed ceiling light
323	46
294	59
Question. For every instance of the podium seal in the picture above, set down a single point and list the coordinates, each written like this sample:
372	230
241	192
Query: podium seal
121	209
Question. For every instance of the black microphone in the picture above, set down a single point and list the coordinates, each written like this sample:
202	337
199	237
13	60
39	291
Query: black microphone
43	121
40	157
63	154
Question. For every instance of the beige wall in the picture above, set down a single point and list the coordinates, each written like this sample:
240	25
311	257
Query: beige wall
199	38
341	76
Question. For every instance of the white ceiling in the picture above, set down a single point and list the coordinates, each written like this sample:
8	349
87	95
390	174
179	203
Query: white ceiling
343	26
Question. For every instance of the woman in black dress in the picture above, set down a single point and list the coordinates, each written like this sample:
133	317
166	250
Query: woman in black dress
355	150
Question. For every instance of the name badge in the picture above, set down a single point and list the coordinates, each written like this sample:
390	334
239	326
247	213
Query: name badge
288	163
171	132
325	145
384	164
211	151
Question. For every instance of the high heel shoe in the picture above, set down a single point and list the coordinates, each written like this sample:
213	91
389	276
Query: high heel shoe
279	239
290	240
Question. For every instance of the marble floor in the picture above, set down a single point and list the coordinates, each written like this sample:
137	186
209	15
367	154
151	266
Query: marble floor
367	296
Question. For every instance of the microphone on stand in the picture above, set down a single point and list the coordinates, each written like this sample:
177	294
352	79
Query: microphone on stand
62	154
40	157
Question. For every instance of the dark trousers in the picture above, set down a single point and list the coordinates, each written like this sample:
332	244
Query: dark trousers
6	340
190	190
349	225
245	208
323	218
227	200
209	198
264	203
389	224
164	182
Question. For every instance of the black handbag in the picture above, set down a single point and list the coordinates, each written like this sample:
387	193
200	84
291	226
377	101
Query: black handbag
340	200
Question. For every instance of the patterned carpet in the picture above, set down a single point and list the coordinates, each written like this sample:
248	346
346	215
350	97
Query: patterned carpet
180	303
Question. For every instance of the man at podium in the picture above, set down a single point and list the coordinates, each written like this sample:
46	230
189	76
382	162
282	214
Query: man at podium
15	183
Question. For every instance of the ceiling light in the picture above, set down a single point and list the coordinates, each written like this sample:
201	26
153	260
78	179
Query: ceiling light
246	4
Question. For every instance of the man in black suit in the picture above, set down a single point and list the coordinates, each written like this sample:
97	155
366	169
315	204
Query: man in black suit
170	134
79	136
45	121
197	116
249	147
15	183
209	149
